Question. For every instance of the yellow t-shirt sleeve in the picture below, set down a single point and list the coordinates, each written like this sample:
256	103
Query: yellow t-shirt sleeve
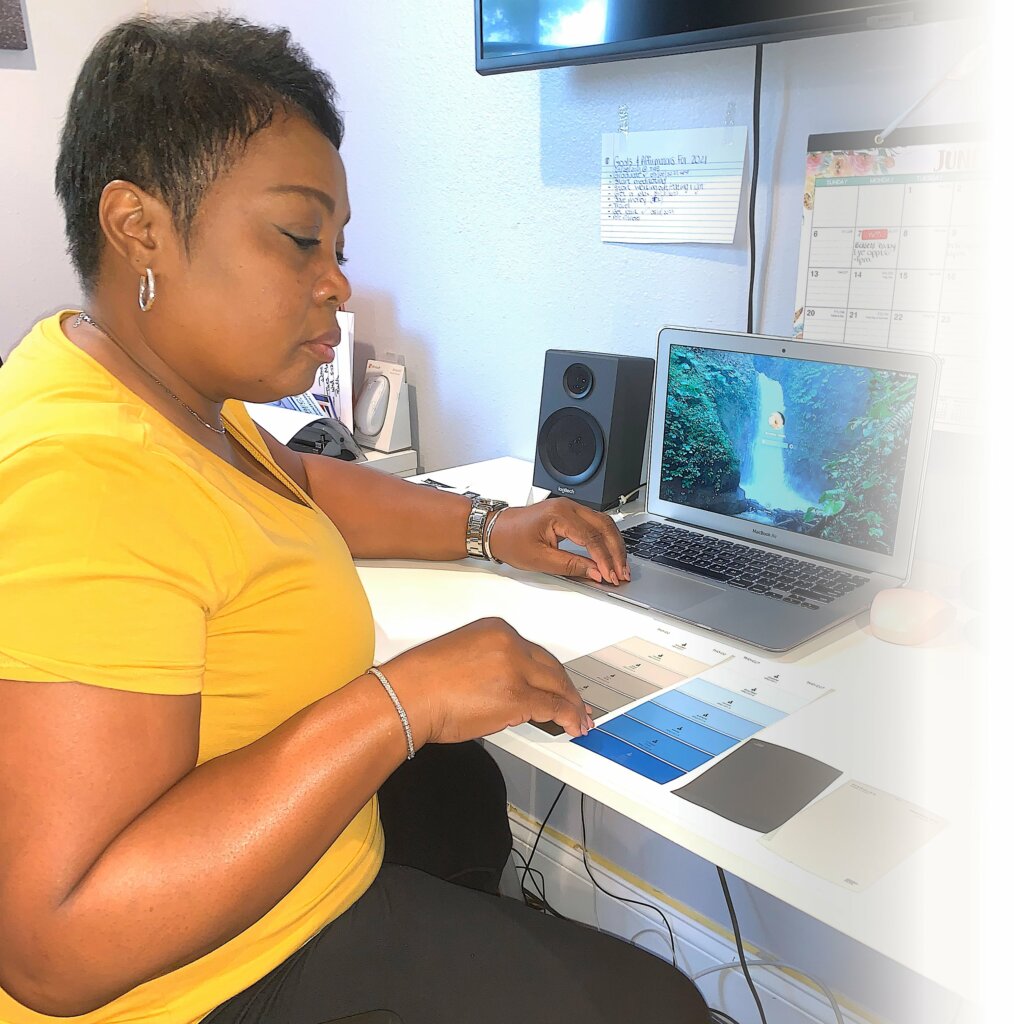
110	566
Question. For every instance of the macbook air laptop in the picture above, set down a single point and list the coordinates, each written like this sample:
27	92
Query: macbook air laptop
784	482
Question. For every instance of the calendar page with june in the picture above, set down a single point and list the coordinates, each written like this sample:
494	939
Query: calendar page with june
893	251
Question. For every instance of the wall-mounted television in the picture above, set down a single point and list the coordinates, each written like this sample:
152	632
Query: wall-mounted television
512	35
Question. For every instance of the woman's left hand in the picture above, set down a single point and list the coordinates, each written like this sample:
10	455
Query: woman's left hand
529	538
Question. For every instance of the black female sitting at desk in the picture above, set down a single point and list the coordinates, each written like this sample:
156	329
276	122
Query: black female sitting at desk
193	737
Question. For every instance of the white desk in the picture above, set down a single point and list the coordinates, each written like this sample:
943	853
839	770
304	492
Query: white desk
901	719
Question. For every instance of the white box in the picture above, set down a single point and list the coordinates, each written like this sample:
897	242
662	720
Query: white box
403	463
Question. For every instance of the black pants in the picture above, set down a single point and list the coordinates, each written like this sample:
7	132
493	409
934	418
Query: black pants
439	953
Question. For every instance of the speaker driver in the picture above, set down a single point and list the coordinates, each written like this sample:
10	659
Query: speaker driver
570	446
578	380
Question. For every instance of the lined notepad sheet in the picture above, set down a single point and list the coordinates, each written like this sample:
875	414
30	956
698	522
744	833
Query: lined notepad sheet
672	186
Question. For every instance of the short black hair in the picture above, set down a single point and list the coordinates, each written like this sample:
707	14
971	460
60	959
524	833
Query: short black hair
169	104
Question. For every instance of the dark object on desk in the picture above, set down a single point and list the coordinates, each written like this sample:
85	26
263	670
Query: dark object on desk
760	785
327	437
593	421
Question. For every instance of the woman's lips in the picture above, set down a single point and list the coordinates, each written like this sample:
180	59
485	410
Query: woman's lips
325	344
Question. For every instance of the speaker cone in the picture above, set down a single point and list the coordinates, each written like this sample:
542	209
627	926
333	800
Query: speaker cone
570	446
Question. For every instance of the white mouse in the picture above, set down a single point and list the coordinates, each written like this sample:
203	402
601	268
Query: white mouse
905	616
371	407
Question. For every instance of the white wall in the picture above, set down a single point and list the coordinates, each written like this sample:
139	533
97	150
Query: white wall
474	240
34	86
36	276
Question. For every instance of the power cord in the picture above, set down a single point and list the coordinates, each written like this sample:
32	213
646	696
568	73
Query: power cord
779	966
531	856
758	67
623	899
721	1017
624	498
739	941
537	900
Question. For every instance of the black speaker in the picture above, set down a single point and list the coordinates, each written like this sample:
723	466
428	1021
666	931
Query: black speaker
592	424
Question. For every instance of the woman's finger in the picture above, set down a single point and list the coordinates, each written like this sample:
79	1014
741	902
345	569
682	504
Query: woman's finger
597	533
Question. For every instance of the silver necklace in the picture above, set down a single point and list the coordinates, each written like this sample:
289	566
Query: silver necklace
83	317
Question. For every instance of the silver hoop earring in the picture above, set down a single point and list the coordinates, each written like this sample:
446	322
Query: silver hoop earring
146	291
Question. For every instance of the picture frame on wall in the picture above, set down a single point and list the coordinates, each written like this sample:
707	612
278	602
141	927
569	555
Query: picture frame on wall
12	26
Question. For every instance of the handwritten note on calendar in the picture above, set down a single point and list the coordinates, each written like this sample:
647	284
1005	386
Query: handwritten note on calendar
672	186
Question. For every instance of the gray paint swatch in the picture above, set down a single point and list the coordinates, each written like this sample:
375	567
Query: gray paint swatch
759	785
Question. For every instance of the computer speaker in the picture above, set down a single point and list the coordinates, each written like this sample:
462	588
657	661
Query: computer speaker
592	425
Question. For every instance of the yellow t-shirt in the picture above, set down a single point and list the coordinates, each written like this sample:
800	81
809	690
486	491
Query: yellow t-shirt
133	558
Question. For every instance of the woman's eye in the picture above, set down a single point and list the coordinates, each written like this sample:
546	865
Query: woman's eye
341	259
302	242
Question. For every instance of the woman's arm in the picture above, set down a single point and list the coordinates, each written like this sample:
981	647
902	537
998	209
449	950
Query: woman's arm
121	860
382	516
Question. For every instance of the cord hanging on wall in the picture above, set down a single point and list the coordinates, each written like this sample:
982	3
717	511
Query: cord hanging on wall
966	66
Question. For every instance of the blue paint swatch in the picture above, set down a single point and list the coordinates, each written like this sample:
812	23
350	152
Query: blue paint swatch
629	757
733	703
707	715
680	728
655	743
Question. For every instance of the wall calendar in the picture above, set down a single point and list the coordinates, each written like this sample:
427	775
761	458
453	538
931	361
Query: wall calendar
893	251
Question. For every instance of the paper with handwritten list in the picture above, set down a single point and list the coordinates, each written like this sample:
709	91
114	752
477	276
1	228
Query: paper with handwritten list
672	186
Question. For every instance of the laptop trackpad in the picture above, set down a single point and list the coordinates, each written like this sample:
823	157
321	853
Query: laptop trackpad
655	587
666	590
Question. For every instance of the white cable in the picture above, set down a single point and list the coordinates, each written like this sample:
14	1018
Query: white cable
735	964
962	69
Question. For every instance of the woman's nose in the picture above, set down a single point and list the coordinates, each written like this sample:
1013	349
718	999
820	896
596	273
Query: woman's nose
332	288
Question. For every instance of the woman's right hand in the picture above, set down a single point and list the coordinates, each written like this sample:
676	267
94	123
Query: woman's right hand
480	679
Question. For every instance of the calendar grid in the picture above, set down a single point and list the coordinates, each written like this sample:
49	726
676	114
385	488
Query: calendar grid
891	252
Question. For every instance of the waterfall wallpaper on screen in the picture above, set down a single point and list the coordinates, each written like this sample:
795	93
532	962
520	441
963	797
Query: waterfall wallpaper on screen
817	448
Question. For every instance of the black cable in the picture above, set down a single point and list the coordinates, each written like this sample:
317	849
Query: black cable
538	899
721	1017
624	899
758	66
542	828
739	943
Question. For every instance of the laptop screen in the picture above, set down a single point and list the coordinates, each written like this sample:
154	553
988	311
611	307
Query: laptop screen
815	448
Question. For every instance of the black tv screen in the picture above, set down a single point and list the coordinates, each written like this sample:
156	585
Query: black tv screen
511	35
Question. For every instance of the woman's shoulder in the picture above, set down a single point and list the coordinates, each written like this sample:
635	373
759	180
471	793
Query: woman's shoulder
69	428
50	388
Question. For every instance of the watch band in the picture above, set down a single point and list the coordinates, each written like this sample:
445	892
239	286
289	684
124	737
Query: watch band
475	528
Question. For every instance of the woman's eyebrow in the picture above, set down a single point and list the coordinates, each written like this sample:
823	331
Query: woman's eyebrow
306	190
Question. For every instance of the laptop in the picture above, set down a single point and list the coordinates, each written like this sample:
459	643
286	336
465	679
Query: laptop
784	483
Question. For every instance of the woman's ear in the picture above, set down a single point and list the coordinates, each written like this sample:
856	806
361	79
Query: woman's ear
137	225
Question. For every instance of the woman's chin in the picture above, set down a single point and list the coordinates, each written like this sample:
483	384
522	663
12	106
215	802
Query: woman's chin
264	391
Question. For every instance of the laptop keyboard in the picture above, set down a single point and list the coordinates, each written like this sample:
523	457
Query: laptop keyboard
741	565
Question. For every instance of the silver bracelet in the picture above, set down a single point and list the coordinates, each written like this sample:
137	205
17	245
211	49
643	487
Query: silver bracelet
373	670
487	533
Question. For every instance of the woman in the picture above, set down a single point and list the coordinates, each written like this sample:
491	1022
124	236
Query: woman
189	809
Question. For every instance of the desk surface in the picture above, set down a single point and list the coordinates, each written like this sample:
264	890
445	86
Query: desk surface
903	720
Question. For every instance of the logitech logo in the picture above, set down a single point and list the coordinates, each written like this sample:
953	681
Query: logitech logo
566	490
762	533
